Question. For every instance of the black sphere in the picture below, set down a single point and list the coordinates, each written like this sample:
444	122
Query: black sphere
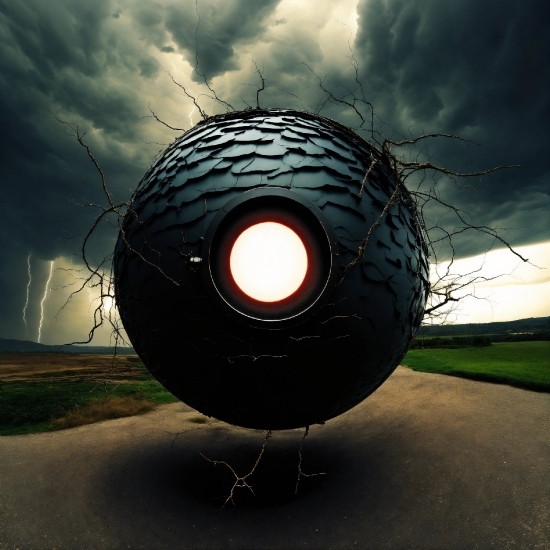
295	361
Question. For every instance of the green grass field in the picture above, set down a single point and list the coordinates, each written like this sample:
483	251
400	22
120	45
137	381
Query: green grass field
32	407
521	364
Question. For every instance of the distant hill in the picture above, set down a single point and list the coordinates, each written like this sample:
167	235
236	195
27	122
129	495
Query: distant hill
7	345
533	324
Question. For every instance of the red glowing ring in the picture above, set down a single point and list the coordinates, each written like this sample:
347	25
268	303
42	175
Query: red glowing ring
230	291
289	209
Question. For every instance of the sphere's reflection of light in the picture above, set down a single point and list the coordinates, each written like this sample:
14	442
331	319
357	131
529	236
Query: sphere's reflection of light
268	261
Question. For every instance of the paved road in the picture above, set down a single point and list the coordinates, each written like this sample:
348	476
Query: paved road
428	461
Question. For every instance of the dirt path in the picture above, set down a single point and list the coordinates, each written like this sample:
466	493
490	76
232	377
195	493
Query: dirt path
428	461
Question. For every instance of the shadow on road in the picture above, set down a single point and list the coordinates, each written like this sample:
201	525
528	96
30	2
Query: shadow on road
427	461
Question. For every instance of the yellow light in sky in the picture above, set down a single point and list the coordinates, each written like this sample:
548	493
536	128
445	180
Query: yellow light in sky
515	290
268	261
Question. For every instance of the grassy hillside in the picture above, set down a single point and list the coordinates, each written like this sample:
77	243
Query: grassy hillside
521	364
533	324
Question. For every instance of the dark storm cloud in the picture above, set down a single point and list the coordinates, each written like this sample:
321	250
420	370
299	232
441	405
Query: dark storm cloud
149	67
85	61
222	26
54	56
475	69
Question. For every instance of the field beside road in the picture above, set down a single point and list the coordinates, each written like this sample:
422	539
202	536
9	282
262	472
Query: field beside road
521	364
49	391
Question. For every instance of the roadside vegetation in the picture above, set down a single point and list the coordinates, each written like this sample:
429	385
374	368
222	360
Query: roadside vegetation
62	392
43	391
104	409
521	364
476	340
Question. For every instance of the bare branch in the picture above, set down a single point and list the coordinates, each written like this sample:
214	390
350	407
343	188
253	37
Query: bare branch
193	98
415	166
153	115
240	481
469	226
300	472
331	96
424	136
75	132
290	93
260	74
365	241
214	96
366	177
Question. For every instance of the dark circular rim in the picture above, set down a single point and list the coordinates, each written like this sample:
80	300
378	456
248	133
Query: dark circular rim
234	305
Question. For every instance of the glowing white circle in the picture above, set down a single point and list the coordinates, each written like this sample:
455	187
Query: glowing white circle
268	261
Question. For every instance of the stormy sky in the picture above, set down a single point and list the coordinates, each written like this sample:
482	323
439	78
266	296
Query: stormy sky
474	68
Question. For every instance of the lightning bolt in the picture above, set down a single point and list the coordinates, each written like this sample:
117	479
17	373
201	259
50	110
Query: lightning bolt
191	115
43	299
28	288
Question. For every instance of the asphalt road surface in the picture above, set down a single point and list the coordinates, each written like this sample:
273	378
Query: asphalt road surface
428	461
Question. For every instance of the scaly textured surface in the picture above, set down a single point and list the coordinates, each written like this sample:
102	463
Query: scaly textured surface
252	377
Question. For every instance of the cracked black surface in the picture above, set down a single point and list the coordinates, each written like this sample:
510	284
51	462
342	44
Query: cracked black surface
253	377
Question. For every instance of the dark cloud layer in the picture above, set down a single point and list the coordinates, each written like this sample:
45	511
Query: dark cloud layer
223	26
212	28
474	69
477	69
